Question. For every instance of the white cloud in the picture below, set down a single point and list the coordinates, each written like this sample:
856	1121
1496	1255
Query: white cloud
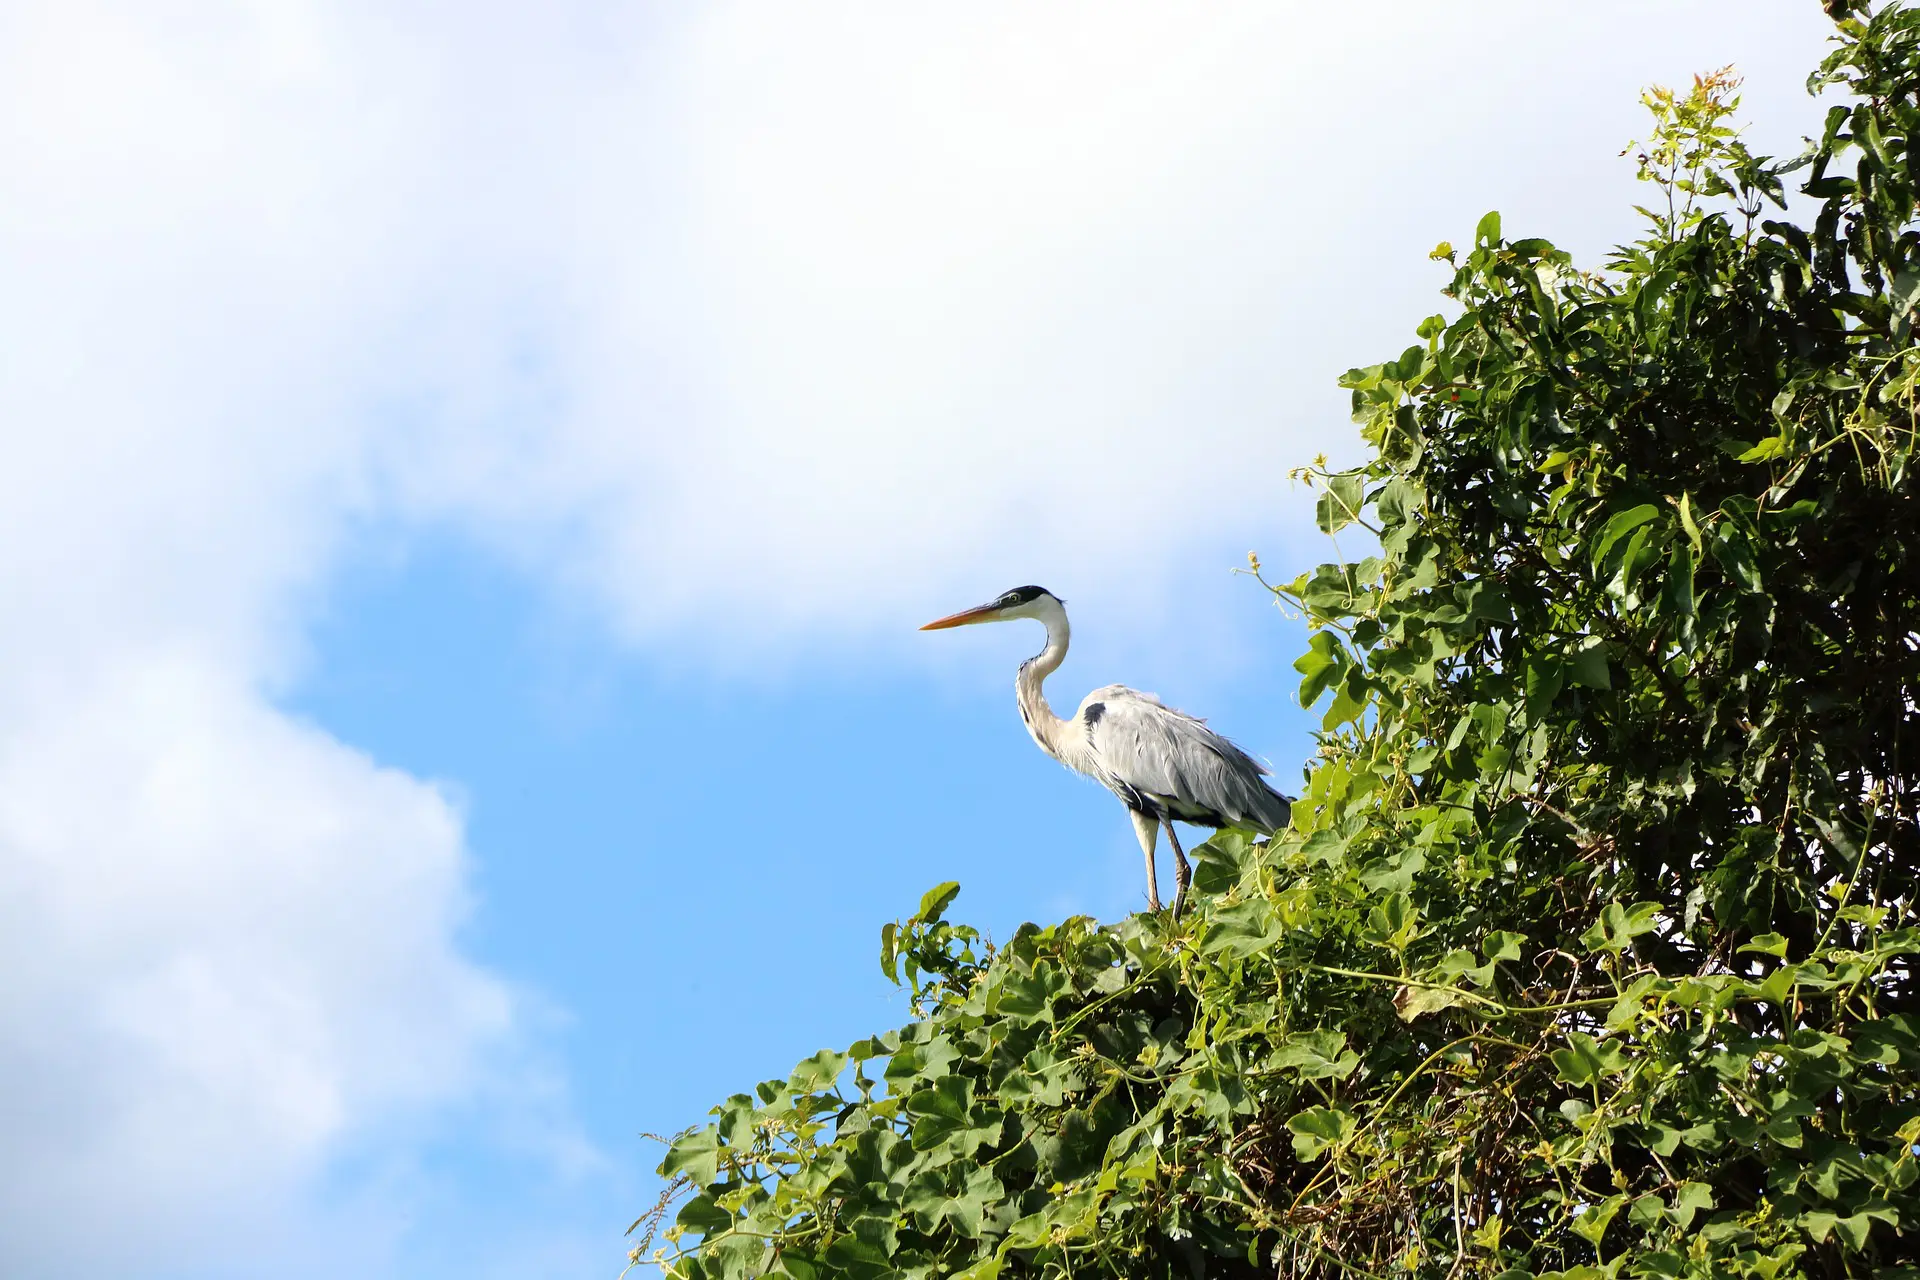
752	325
880	307
230	941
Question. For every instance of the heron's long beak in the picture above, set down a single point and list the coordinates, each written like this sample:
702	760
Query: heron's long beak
965	618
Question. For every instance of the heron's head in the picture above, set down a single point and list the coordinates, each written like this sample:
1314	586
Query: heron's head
1021	602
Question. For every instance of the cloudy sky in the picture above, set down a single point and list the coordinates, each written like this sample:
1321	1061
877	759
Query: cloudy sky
474	470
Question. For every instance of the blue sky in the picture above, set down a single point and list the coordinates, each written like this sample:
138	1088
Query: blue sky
475	473
702	870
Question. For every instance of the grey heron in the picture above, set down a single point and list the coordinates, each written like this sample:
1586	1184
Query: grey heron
1163	764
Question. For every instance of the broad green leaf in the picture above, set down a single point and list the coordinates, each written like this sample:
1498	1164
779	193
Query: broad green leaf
1417	1001
1321	664
702	1215
934	903
694	1155
1586	1060
1619	925
1618	527
1316	1129
1340	503
1587	666
817	1073
1396	501
1771	447
1315	1055
1592	1223
1853	1229
1501	945
1026	996
1905	292
925	1060
1243	928
1545	676
1393	924
1731	548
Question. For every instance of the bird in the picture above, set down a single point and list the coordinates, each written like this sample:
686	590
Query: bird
1162	763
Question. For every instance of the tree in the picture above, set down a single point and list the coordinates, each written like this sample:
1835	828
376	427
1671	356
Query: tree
1590	950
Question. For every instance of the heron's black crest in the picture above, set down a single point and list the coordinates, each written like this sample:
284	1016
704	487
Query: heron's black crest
1023	595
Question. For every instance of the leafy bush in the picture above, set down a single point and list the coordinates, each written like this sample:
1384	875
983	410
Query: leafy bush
1591	948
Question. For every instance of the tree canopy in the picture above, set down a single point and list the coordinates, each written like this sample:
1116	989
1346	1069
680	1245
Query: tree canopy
1590	950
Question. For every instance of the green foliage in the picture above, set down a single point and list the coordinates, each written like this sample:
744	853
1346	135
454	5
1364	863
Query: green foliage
1591	949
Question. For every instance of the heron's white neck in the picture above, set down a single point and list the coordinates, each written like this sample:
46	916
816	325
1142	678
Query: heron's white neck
1049	730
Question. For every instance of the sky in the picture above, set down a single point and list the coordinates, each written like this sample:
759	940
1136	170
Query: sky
473	474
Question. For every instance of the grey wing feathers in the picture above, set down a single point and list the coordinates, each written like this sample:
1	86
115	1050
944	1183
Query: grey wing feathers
1146	751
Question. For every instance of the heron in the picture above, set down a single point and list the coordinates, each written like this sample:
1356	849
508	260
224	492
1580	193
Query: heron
1163	764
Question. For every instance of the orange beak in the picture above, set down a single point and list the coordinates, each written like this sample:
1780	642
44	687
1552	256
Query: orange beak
965	618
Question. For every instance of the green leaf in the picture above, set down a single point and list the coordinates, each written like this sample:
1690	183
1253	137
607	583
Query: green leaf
1905	292
1678	595
694	1155
1593	1222
1315	1055
1416	1001
1771	447
940	1111
1340	505
1586	1060
1735	554
1393	924
702	1215
1686	523
1853	1229
1500	945
1771	944
1545	676
817	1073
913	1059
1242	929
1325	845
1026	998
1619	925
1690	1198
1587	666
1618	527
1396	502
1488	232
889	955
934	902
1321	664
1316	1129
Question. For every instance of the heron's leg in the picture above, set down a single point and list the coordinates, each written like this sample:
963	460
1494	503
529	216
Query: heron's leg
1149	831
1182	873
